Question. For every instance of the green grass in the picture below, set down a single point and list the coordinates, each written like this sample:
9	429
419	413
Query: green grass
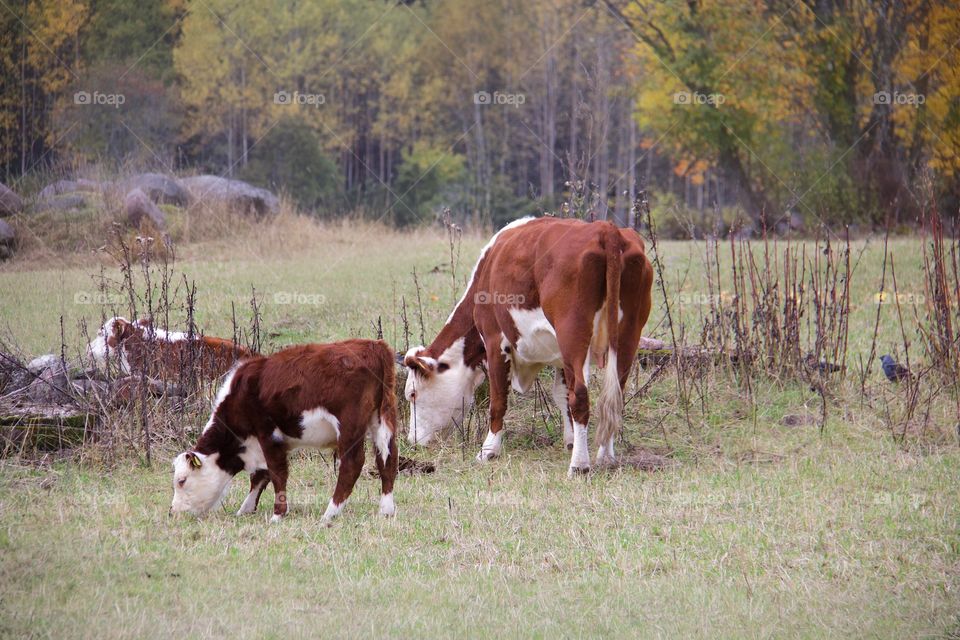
755	530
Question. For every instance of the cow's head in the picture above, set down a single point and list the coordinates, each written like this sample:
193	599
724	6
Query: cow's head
109	339
199	484
439	390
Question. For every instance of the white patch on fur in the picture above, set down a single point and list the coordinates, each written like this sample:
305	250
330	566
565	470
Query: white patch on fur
204	488
491	446
250	502
381	439
321	430
560	399
536	346
483	254
586	371
609	410
442	397
252	456
333	510
222	394
275	518
580	459
606	454
387	506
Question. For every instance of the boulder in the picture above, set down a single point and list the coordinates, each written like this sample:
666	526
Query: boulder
160	188
10	202
62	203
51	387
68	186
13	376
236	194
137	206
41	363
8	240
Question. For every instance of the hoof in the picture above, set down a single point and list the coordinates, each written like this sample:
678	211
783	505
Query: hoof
486	456
578	471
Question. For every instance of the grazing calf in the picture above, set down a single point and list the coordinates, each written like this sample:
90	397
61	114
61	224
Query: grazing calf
544	292
326	396
140	348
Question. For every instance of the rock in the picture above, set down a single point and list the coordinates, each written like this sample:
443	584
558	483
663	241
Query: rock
92	388
235	194
68	186
10	202
160	188
137	206
13	376
61	203
651	343
51	386
8	240
45	427
41	363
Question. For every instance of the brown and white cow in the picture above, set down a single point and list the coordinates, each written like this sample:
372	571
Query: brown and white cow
326	396
140	348
544	292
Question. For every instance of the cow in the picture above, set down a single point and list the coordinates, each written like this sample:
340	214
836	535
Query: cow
544	292
324	396
140	348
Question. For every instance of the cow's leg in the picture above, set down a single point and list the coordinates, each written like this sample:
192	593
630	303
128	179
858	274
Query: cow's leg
560	399
275	454
498	371
351	454
258	482
574	338
387	460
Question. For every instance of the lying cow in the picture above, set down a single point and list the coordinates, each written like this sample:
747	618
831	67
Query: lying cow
138	347
320	396
544	292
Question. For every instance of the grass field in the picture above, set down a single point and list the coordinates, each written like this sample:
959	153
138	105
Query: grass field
755	530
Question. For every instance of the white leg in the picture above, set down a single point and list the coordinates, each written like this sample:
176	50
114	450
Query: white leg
491	446
275	518
560	399
580	460
250	502
605	454
333	510
387	506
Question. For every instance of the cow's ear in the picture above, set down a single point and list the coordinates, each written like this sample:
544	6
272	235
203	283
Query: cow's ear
420	365
195	461
146	323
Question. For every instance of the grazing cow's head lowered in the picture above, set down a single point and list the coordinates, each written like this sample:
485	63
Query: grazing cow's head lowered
440	391
199	484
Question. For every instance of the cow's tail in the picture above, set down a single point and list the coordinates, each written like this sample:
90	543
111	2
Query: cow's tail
610	403
385	438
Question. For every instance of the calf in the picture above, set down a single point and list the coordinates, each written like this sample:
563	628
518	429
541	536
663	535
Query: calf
321	396
140	348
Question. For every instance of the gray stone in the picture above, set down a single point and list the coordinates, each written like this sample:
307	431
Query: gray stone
160	188
51	386
8	240
60	203
236	194
10	202
137	206
68	186
41	363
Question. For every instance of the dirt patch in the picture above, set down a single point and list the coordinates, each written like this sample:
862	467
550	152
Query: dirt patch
645	460
410	466
798	420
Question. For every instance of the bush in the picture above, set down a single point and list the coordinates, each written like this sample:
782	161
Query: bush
290	158
428	179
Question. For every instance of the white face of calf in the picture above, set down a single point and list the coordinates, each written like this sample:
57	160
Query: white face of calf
107	342
439	391
199	484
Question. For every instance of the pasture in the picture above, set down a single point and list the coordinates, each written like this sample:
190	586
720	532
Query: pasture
756	527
